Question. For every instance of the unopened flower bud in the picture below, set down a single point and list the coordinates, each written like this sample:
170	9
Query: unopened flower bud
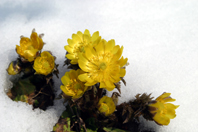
13	68
106	105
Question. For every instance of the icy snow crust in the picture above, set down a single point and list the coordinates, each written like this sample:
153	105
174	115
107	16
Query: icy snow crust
159	38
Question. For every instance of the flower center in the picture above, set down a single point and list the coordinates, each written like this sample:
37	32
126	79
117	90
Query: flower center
81	46
82	49
102	66
77	86
104	108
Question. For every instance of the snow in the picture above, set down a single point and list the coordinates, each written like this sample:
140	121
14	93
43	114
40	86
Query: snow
159	39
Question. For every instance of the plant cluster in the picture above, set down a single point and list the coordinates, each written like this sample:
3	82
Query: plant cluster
98	66
32	73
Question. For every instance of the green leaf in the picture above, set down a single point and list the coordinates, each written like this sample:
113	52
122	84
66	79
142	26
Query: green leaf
67	112
55	127
90	130
65	128
91	124
22	98
36	103
23	87
113	130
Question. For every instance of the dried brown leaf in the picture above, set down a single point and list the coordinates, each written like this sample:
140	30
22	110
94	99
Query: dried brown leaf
123	81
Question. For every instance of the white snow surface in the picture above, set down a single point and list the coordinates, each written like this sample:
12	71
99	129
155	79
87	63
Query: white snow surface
160	39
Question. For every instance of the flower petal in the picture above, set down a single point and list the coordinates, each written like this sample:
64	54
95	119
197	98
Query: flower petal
122	61
164	95
95	36
90	52
80	34
122	72
100	48
75	38
70	56
109	85
163	120
109	45
65	80
102	85
70	42
68	49
87	32
83	77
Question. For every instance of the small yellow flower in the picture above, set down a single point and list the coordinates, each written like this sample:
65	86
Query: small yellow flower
13	68
162	110
44	64
106	105
29	48
78	42
102	64
72	86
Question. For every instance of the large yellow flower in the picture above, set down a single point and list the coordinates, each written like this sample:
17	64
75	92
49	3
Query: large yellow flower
103	64
162	110
78	42
44	64
29	48
72	86
106	105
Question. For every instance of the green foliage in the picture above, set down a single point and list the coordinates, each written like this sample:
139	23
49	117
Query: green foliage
67	113
64	125
36	103
55	127
90	130
91	124
22	98
23	87
68	123
106	129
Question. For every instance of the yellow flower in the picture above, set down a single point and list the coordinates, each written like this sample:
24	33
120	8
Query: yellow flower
162	110
13	68
72	86
78	42
36	41
106	105
29	47
102	63
44	64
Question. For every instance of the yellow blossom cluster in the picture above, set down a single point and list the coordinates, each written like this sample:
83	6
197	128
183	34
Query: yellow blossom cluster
29	51
100	61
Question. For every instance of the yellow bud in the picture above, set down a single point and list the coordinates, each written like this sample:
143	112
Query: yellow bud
106	105
13	68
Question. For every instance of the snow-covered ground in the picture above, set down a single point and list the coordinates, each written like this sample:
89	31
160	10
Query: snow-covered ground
160	39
